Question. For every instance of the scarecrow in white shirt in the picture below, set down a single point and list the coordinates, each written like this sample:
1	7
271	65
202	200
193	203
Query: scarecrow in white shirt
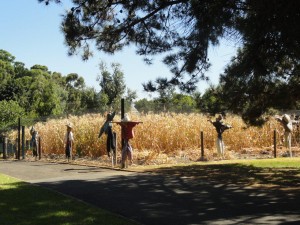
287	124
220	128
69	141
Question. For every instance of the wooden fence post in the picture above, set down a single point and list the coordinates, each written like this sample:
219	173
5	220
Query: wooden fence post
19	140
122	117
202	146
23	142
275	144
40	148
115	150
4	147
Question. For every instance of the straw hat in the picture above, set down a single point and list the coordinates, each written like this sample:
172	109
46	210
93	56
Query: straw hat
69	125
286	118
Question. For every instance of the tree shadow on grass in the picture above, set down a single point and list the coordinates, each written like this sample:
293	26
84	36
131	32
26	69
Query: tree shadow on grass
25	204
197	194
246	175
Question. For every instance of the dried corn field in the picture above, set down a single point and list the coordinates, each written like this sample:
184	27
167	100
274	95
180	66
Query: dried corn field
162	137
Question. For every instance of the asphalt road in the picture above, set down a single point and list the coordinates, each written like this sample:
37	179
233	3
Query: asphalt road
156	199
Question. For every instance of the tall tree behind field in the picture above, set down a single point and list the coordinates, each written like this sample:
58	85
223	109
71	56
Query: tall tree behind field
40	92
10	111
74	85
7	75
112	85
212	102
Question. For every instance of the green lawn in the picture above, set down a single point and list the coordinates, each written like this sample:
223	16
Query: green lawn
283	173
25	204
274	163
259	163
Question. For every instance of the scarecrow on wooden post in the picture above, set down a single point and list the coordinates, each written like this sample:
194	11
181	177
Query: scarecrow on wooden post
69	141
107	129
220	128
34	142
287	124
127	134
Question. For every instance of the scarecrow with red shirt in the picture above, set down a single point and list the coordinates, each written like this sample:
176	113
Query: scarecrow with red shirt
127	134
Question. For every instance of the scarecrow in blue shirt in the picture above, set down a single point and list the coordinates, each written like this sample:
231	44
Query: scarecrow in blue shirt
107	129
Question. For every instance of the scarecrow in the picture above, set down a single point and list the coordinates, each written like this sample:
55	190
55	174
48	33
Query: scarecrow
34	142
69	141
107	129
220	128
287	124
127	134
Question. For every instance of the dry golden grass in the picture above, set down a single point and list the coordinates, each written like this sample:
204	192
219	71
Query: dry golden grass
164	134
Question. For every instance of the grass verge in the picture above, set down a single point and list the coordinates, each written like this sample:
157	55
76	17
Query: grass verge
279	173
25	204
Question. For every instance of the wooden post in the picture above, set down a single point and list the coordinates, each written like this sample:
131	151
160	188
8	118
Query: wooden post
122	108
23	142
40	148
202	146
115	150
19	140
275	144
4	147
122	128
122	117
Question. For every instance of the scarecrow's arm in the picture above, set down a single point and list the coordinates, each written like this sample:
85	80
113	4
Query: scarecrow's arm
103	129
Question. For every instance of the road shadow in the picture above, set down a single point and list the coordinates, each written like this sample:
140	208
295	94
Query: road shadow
211	194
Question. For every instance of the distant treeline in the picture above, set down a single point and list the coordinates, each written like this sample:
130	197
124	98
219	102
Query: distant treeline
37	92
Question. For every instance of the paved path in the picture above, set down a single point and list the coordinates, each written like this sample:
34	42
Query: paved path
160	199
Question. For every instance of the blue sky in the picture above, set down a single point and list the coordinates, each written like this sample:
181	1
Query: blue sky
31	32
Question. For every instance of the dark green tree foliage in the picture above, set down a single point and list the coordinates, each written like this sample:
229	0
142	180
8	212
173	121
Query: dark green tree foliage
144	105
181	29
39	92
268	33
40	68
211	102
112	84
130	96
183	103
178	103
265	72
6	56
20	70
10	111
74	87
90	101
7	75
